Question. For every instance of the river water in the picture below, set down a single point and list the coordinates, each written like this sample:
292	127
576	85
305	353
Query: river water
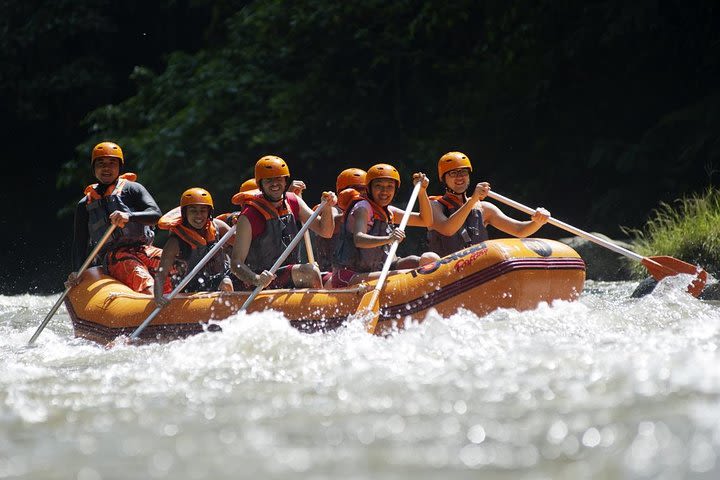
605	387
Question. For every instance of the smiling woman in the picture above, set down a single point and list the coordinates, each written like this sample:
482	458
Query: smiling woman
368	234
460	221
193	235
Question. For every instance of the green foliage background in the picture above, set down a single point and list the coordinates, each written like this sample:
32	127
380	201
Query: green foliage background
598	110
579	106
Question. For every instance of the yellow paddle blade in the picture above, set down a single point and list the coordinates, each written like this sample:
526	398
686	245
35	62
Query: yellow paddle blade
369	310
663	266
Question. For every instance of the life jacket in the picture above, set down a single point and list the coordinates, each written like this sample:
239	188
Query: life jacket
472	232
324	248
194	246
99	208
347	255
346	197
281	226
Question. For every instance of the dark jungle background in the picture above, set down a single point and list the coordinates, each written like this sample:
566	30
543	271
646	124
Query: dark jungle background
597	110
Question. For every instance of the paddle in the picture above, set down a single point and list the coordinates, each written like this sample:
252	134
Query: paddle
84	266
369	304
308	242
285	254
658	266
187	279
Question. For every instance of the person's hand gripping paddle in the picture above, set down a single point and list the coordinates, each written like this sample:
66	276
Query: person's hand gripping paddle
278	263
369	307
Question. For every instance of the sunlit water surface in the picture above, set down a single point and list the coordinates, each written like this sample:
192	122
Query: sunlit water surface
605	387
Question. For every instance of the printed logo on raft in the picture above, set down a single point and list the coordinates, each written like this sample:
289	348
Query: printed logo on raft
538	246
473	252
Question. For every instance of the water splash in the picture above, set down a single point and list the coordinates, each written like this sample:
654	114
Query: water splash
606	386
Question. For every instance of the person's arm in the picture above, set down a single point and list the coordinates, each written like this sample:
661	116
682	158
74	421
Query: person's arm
169	252
359	220
243	239
222	229
324	224
226	284
425	217
492	215
450	225
143	207
338	218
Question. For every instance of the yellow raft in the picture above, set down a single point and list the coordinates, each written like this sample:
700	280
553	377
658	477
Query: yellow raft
504	273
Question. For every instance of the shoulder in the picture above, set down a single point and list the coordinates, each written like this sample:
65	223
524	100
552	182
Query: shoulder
134	188
294	202
361	205
221	225
253	217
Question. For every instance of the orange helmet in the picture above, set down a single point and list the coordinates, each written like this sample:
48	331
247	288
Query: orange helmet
350	177
248	185
242	195
196	196
270	166
382	170
452	161
107	149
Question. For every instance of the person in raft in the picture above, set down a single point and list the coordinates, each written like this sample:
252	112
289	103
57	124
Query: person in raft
117	199
459	221
250	185
270	220
368	231
238	199
350	183
193	233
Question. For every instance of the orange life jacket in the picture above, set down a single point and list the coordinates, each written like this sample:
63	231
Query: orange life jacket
91	192
173	222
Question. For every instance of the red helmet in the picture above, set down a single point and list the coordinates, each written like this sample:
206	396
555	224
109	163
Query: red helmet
452	161
107	149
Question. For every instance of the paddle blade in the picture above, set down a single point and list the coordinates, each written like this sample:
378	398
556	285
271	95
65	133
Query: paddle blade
663	266
369	310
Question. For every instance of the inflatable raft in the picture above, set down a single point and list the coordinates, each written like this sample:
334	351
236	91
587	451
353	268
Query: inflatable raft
505	273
